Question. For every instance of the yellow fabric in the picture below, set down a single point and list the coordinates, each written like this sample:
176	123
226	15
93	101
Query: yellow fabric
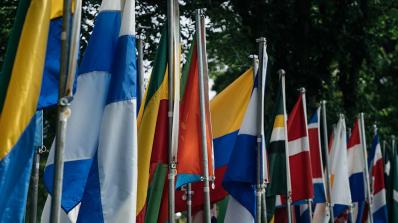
230	100
146	132
57	8
25	83
279	122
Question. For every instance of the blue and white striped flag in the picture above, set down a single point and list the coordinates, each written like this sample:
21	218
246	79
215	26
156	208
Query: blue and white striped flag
100	173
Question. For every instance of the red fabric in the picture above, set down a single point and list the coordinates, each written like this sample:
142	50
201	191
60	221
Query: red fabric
315	152
161	139
355	138
378	175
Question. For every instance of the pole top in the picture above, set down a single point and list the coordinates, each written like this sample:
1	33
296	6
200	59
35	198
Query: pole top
261	40
301	90
323	102
393	137
341	115
375	128
253	56
281	73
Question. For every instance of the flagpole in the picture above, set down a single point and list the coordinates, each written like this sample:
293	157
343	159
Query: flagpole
188	194
63	114
365	158
282	73
173	76
326	153
140	63
35	177
261	75
304	101
202	66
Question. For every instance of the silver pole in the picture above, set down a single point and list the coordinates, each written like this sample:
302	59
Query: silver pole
189	203
140	63
63	114
288	180
326	152
304	101
35	186
173	73
261	75
365	158
202	66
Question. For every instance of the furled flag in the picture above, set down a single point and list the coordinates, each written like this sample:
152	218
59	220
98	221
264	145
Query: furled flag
314	137
20	83
241	171
375	162
341	196
299	152
356	167
190	164
302	213
227	112
83	128
153	139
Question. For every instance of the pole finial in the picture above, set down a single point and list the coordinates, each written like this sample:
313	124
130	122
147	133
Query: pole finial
261	40
301	90
281	72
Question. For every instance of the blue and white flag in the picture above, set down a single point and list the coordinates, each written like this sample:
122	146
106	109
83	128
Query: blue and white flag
100	173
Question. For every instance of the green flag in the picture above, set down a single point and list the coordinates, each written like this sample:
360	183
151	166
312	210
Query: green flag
394	193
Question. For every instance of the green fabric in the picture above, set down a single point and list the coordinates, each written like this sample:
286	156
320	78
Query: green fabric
159	67
394	191
155	192
222	209
12	47
187	66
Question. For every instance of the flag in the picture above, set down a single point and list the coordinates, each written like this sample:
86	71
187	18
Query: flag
341	196
153	121
83	128
356	166
302	213
20	83
240	177
276	151
314	136
190	164
227	112
299	152
375	162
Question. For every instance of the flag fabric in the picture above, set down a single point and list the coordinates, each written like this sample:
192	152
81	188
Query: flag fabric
375	162
240	177
227	112
84	128
276	151
299	152
152	151
302	213
341	196
356	167
321	213
314	136
190	164
394	178
20	82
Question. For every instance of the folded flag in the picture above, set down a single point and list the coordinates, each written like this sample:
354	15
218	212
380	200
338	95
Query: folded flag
83	128
299	152
314	136
190	164
241	171
375	161
227	112
394	179
341	196
20	83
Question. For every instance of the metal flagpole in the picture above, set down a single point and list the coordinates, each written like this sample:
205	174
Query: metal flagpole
202	66
365	158
63	111
288	180
261	75
35	177
189	194
304	101
140	63
173	78
326	153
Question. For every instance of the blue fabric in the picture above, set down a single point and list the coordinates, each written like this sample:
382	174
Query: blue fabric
102	44
241	172
71	180
38	142
49	86
223	148
302	218
361	208
357	187
372	152
15	171
123	84
339	209
91	207
380	216
314	118
319	193
183	179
